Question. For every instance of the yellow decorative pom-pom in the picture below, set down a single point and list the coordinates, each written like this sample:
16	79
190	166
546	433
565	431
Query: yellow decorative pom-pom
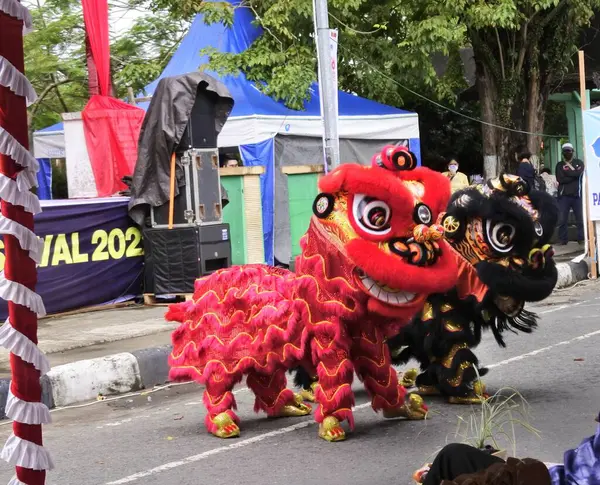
436	232
421	233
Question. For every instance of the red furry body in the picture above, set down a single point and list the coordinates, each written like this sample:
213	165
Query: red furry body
353	289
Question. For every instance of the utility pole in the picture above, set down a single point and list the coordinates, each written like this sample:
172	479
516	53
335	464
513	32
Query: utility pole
326	41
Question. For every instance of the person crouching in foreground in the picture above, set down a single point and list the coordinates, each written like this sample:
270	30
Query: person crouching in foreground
459	464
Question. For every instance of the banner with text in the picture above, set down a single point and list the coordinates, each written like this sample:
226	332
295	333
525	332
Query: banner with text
591	127
93	254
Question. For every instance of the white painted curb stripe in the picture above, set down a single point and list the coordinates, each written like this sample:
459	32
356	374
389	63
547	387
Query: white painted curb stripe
565	275
85	379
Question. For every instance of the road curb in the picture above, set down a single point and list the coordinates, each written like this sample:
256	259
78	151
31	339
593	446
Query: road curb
84	380
570	273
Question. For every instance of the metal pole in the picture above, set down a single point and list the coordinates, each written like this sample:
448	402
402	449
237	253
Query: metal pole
590	237
327	84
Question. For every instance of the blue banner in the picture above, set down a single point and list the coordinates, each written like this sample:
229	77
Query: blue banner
591	129
93	254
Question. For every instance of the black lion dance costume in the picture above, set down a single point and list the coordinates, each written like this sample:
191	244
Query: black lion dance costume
499	232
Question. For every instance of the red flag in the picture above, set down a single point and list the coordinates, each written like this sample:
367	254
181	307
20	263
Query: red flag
95	16
112	128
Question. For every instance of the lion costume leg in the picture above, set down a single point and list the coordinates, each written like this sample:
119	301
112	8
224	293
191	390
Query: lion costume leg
219	400
333	393
273	397
305	378
458	376
373	366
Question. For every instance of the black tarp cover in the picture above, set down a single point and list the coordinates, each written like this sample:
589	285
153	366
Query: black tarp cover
163	128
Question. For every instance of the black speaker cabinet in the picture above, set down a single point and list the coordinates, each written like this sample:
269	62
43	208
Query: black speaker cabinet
175	258
201	131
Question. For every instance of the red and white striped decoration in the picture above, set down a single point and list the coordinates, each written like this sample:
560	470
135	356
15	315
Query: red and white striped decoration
24	448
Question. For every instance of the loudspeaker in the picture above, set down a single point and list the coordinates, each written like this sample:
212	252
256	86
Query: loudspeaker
201	131
175	258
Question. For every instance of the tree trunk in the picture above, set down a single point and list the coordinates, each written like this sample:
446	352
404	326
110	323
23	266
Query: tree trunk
487	95
534	117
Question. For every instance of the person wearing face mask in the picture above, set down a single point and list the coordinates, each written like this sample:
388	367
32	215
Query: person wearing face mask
569	173
458	180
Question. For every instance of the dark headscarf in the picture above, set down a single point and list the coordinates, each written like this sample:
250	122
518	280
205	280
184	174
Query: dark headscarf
513	472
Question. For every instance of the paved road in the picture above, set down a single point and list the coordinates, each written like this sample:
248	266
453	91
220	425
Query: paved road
158	438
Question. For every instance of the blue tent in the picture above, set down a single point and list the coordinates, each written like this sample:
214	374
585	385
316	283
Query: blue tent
268	133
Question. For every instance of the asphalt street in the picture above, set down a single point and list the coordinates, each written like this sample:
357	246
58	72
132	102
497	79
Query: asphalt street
158	438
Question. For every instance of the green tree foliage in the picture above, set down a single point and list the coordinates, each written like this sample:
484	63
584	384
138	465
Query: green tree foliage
521	49
55	56
374	36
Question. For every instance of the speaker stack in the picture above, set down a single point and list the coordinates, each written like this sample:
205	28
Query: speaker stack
199	242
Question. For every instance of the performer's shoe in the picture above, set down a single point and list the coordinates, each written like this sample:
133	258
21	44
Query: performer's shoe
295	408
409	378
428	391
414	408
478	396
309	394
331	430
226	427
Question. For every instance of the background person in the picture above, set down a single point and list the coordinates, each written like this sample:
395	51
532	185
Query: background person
525	169
568	174
228	160
550	181
458	180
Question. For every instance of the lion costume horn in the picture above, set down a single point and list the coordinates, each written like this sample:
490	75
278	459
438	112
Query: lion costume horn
395	158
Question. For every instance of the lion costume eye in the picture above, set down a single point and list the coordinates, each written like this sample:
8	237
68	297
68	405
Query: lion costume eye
372	215
500	235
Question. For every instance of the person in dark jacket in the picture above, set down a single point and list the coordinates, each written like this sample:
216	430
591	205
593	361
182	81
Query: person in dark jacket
460	464
569	174
525	169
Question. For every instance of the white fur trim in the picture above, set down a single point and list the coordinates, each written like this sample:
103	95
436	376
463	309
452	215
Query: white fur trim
17	343
9	191
26	179
19	452
21	295
11	147
15	9
26	412
16	81
27	238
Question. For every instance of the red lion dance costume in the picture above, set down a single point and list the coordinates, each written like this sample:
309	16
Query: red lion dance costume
370	257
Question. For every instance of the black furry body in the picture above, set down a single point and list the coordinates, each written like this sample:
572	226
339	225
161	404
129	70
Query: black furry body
451	323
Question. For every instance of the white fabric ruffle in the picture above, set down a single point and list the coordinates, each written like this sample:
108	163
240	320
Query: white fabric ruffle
17	343
26	454
16	481
9	191
21	295
15	9
11	147
26	412
16	81
27	238
26	179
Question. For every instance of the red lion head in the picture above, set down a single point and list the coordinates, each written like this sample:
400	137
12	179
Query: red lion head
382	219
